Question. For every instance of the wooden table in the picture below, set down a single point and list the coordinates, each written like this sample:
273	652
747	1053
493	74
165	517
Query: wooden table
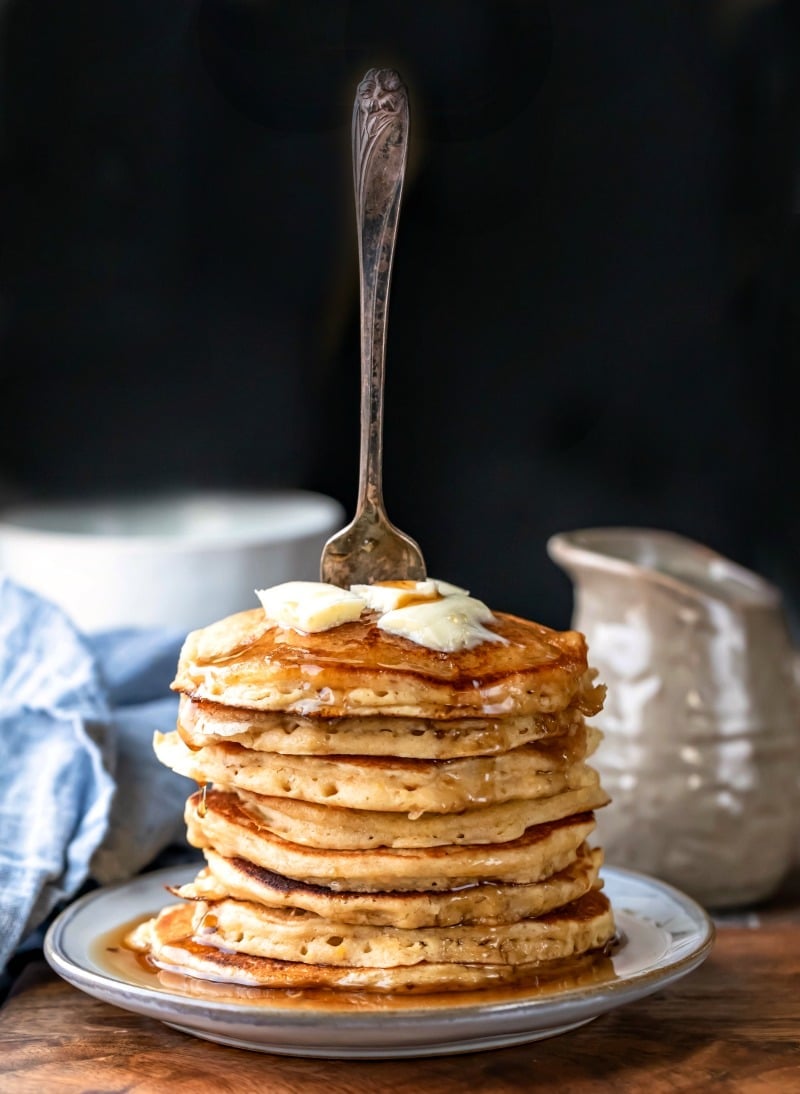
732	1025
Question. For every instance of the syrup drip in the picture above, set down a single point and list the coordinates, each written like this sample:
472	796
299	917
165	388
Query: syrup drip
110	953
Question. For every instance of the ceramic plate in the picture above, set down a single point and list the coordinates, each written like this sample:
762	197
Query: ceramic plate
663	935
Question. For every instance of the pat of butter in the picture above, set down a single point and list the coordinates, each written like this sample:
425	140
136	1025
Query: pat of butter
446	589
386	596
310	606
450	624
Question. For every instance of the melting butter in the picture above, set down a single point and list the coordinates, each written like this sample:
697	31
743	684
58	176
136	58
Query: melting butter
453	622
310	606
431	613
387	596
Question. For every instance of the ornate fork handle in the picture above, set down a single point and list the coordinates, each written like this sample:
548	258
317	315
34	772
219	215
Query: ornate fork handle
380	143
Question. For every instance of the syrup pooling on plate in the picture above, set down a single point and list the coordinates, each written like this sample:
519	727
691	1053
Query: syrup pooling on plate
442	844
665	935
110	952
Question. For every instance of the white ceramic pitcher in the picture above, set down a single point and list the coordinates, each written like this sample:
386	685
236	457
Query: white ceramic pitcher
701	754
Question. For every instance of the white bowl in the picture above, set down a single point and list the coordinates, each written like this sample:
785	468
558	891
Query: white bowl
179	561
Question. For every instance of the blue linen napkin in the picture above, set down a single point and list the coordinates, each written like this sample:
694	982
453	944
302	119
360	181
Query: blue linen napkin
83	795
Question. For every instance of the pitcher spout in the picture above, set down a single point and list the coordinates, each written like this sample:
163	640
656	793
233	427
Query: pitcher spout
675	562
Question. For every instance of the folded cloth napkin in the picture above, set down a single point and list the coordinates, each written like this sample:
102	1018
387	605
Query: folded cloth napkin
83	796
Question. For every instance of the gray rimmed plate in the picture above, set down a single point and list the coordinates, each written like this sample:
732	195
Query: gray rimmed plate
664	934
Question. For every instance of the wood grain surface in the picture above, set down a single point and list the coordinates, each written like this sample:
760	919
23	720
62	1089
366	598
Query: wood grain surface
732	1025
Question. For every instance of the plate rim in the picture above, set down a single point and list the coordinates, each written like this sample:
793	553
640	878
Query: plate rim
567	1007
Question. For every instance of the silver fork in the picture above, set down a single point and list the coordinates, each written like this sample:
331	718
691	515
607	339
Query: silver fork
370	548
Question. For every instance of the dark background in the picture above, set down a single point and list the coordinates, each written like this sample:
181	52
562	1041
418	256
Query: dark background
595	306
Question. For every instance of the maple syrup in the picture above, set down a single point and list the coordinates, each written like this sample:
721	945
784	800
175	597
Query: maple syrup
110	952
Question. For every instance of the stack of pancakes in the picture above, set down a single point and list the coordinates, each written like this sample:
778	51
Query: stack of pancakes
378	815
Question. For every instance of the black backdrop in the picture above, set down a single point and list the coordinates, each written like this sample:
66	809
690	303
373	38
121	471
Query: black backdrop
594	314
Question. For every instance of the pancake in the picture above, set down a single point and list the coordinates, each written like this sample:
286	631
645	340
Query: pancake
289	934
358	669
201	723
224	824
330	826
585	925
481	903
377	782
542	979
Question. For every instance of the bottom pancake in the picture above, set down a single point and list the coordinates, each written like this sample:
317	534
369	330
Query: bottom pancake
548	978
171	942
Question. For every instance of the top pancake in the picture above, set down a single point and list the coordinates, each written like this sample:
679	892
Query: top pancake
357	669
